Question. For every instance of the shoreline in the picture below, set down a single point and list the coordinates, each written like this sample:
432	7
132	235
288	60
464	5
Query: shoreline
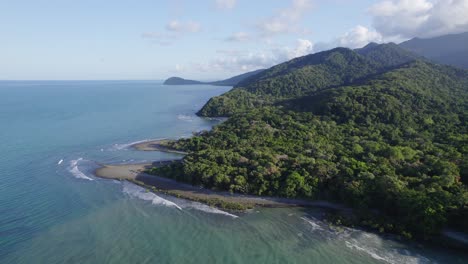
221	199
156	145
234	202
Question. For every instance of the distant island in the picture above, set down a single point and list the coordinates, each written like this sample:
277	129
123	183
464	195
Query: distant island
180	81
227	82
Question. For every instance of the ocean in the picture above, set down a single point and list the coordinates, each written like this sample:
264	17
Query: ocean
54	134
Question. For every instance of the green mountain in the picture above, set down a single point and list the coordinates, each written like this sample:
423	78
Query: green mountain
307	74
448	49
387	55
376	129
227	82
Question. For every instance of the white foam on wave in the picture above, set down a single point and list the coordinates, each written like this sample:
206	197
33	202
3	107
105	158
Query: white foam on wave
60	162
143	194
355	245
127	145
374	246
76	171
185	117
313	223
386	255
207	209
370	244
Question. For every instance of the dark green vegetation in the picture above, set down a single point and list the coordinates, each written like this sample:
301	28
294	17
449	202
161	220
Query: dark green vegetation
377	129
448	49
305	75
228	82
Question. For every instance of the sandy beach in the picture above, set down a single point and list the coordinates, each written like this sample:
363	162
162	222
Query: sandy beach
156	145
135	173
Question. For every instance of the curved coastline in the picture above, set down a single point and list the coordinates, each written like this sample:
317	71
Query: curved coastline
136	173
156	145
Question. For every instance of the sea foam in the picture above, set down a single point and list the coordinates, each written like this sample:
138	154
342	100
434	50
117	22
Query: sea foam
205	208
128	145
367	244
143	194
313	223
76	171
181	204
185	117
364	242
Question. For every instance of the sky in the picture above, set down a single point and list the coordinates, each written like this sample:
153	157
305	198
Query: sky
199	39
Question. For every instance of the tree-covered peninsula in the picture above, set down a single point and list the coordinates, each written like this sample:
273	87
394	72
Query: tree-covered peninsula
378	129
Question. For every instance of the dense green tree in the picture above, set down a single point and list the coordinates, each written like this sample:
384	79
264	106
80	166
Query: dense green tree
377	130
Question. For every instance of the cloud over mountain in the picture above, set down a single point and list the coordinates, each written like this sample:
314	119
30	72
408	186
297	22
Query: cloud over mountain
286	20
419	18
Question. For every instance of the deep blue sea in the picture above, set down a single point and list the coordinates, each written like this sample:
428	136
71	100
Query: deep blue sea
54	134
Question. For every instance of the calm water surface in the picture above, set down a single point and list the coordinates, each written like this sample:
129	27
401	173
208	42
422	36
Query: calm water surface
53	210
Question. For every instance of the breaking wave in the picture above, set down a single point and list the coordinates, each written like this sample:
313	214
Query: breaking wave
313	224
76	171
205	208
185	117
181	204
127	145
365	243
143	194
371	245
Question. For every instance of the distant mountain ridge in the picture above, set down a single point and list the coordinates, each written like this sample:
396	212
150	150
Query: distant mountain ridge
448	49
227	82
307	74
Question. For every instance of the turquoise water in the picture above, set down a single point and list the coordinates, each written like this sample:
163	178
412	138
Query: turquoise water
53	210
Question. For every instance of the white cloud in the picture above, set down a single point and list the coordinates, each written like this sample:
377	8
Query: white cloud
358	37
303	47
419	18
183	27
174	30
239	37
285	20
225	4
237	61
173	25
163	39
231	52
179	68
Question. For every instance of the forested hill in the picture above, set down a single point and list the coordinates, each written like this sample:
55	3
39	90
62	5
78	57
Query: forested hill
387	55
389	140
303	75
